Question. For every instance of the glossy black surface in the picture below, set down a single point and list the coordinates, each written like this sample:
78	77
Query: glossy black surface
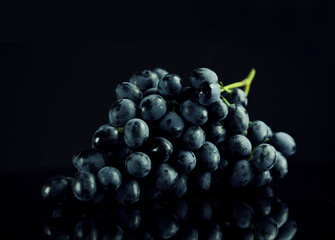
306	191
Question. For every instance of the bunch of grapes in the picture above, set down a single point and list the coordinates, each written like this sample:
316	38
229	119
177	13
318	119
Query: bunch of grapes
167	137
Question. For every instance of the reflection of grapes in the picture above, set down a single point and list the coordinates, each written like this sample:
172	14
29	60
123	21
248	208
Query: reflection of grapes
244	214
166	139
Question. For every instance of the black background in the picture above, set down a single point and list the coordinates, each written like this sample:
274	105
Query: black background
60	65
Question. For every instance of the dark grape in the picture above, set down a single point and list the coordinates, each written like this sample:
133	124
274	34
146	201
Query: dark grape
193	138
287	231
266	228
90	160
158	149
152	107
129	91
55	188
237	120
208	157
284	143
171	126
216	133
110	178
138	164
106	138
202	181
121	111
128	218
128	193
170	86
279	212
200	75
85	229
160	72
185	161
264	157
166	177
239	147
217	111
209	93
241	214
181	186
166	225
261	178
136	133
84	186
240	174
238	96
145	79
257	132
280	169
193	112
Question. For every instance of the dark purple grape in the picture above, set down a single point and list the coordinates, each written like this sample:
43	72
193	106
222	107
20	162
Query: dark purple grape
84	186
55	188
239	147
217	111
202	181
284	143
237	95
170	86
200	75
90	160
136	133
287	231
128	193
158	149
216	133
152	107
280	169
165	177
264	157
194	112
279	212
241	214
240	173
145	79
126	90
138	165
193	138
266	228
208	157
166	225
171	126
110	178
121	111
185	161
257	132
106	138
237	120
208	93
85	229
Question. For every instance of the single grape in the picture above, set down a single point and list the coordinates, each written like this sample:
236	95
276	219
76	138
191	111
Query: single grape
181	186
280	169
208	93
208	157
264	157
193	138
284	143
194	112
257	132
202	181
170	86
152	107
121	111
216	133
136	133
242	214
129	91
145	79
279	212
166	225
138	164
266	228
84	186
85	229
160	72
217	111
88	159
239	147
237	95
166	177
200	75
106	138
128	193
185	161
55	188
158	149
262	178
287	231
171	126
110	178
237	120
240	173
